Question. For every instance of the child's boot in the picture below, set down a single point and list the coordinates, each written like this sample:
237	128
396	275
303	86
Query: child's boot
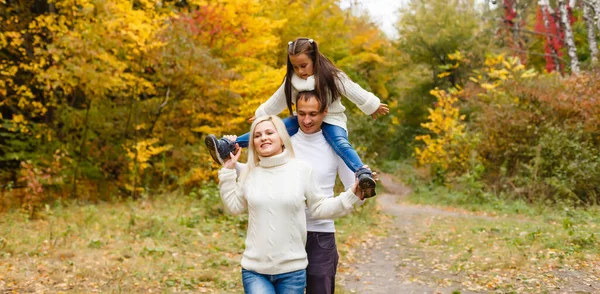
366	182
219	149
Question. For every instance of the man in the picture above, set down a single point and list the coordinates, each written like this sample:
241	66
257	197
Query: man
310	145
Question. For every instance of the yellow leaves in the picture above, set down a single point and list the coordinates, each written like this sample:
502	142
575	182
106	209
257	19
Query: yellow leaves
492	61
456	56
499	71
206	130
529	74
449	145
488	86
19	124
444	74
141	152
9	71
18	118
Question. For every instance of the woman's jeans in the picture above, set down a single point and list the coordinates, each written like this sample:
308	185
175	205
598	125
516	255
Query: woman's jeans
288	283
336	136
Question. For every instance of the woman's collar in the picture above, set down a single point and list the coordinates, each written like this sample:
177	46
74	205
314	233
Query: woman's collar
275	160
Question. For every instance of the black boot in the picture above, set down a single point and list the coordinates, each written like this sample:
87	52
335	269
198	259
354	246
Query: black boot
366	182
219	149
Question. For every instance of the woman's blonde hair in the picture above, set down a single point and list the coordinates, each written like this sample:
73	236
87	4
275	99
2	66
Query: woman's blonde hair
253	157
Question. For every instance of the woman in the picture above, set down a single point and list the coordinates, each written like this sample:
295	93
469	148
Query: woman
276	188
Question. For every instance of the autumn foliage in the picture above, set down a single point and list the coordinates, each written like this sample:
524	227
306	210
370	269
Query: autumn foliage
113	98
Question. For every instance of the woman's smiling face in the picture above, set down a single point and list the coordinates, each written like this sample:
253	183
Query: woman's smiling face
267	141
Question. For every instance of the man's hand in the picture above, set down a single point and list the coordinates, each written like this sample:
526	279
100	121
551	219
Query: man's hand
382	110
356	188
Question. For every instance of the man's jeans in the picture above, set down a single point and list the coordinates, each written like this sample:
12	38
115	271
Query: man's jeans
322	263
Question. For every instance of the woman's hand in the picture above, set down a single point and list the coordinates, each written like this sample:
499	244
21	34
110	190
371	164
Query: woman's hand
382	110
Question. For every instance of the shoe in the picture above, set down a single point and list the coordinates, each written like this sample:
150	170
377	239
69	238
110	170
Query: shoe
219	149
366	183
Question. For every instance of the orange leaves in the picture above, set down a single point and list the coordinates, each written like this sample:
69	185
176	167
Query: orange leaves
235	29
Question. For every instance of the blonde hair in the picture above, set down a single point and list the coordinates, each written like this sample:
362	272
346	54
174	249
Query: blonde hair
253	157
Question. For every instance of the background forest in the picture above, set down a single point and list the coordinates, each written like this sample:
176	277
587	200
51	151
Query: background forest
111	99
106	185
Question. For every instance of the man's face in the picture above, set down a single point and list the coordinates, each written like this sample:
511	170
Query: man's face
309	117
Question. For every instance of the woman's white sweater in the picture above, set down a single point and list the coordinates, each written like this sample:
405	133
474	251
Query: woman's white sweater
365	100
276	193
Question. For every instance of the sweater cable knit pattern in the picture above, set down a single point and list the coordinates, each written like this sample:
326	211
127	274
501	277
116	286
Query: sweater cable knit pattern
276	193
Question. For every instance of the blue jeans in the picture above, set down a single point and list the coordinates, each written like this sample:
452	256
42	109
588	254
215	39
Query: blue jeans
336	136
287	283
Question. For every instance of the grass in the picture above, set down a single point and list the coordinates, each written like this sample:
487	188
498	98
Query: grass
503	244
168	243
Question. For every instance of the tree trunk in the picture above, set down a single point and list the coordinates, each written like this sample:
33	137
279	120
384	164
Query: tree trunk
597	13
591	32
81	150
570	40
545	7
517	25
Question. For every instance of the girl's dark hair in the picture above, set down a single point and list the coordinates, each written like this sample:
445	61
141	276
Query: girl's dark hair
324	71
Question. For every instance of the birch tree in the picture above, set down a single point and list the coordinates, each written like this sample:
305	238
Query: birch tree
546	10
588	15
596	4
569	38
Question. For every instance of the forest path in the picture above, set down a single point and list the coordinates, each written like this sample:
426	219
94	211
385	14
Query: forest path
393	264
402	262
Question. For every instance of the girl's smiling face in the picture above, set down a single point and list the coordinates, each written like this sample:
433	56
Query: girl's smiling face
303	65
266	139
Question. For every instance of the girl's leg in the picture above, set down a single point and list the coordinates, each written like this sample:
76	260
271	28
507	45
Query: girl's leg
337	137
220	149
255	283
291	124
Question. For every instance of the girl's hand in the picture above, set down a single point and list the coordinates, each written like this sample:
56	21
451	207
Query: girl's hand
382	110
252	118
233	158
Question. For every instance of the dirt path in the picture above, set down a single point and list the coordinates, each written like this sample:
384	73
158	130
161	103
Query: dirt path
392	264
398	263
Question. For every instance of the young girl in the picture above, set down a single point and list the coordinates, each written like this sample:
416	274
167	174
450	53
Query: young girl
308	69
274	259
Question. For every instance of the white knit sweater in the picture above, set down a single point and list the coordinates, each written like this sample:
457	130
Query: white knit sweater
365	100
276	193
314	149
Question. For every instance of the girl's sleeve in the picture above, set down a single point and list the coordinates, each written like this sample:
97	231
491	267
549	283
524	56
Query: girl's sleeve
232	194
274	105
322	207
365	100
